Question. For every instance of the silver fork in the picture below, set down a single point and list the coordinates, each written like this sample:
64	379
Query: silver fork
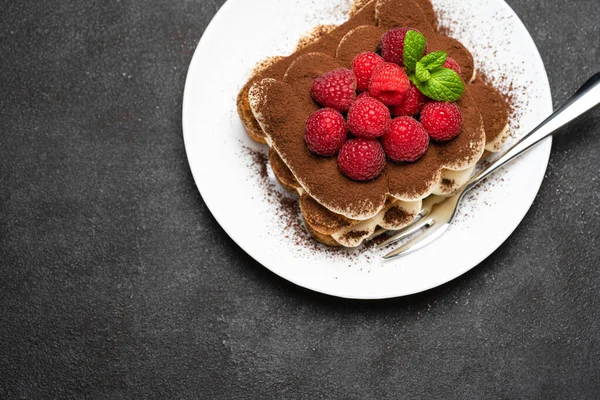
438	217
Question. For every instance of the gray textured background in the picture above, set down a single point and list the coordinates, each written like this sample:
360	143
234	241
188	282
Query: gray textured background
116	281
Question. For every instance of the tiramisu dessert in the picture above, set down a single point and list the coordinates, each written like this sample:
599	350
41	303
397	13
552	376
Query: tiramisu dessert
371	117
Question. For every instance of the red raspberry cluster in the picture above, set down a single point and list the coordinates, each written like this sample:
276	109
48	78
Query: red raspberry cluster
374	91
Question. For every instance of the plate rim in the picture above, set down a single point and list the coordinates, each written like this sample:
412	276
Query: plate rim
545	145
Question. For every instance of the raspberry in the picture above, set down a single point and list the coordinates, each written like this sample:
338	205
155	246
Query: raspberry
335	89
441	120
452	64
406	140
368	118
389	83
392	45
325	132
412	104
363	66
361	159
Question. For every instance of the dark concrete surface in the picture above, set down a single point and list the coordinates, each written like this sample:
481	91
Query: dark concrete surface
116	281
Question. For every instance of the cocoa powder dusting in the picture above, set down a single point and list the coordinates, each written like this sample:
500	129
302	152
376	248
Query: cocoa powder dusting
355	235
356	6
361	39
260	159
447	184
509	97
493	108
396	216
315	34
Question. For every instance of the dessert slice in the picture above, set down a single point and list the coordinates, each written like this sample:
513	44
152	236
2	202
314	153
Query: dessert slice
348	220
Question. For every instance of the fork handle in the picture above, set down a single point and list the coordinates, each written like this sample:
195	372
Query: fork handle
584	100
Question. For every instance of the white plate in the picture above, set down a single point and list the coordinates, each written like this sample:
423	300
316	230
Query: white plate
244	32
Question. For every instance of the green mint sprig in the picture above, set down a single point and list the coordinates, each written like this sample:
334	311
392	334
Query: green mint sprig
421	72
434	60
442	85
428	73
414	47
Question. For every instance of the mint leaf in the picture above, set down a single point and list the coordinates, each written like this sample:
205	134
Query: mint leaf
443	85
414	46
434	60
421	73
